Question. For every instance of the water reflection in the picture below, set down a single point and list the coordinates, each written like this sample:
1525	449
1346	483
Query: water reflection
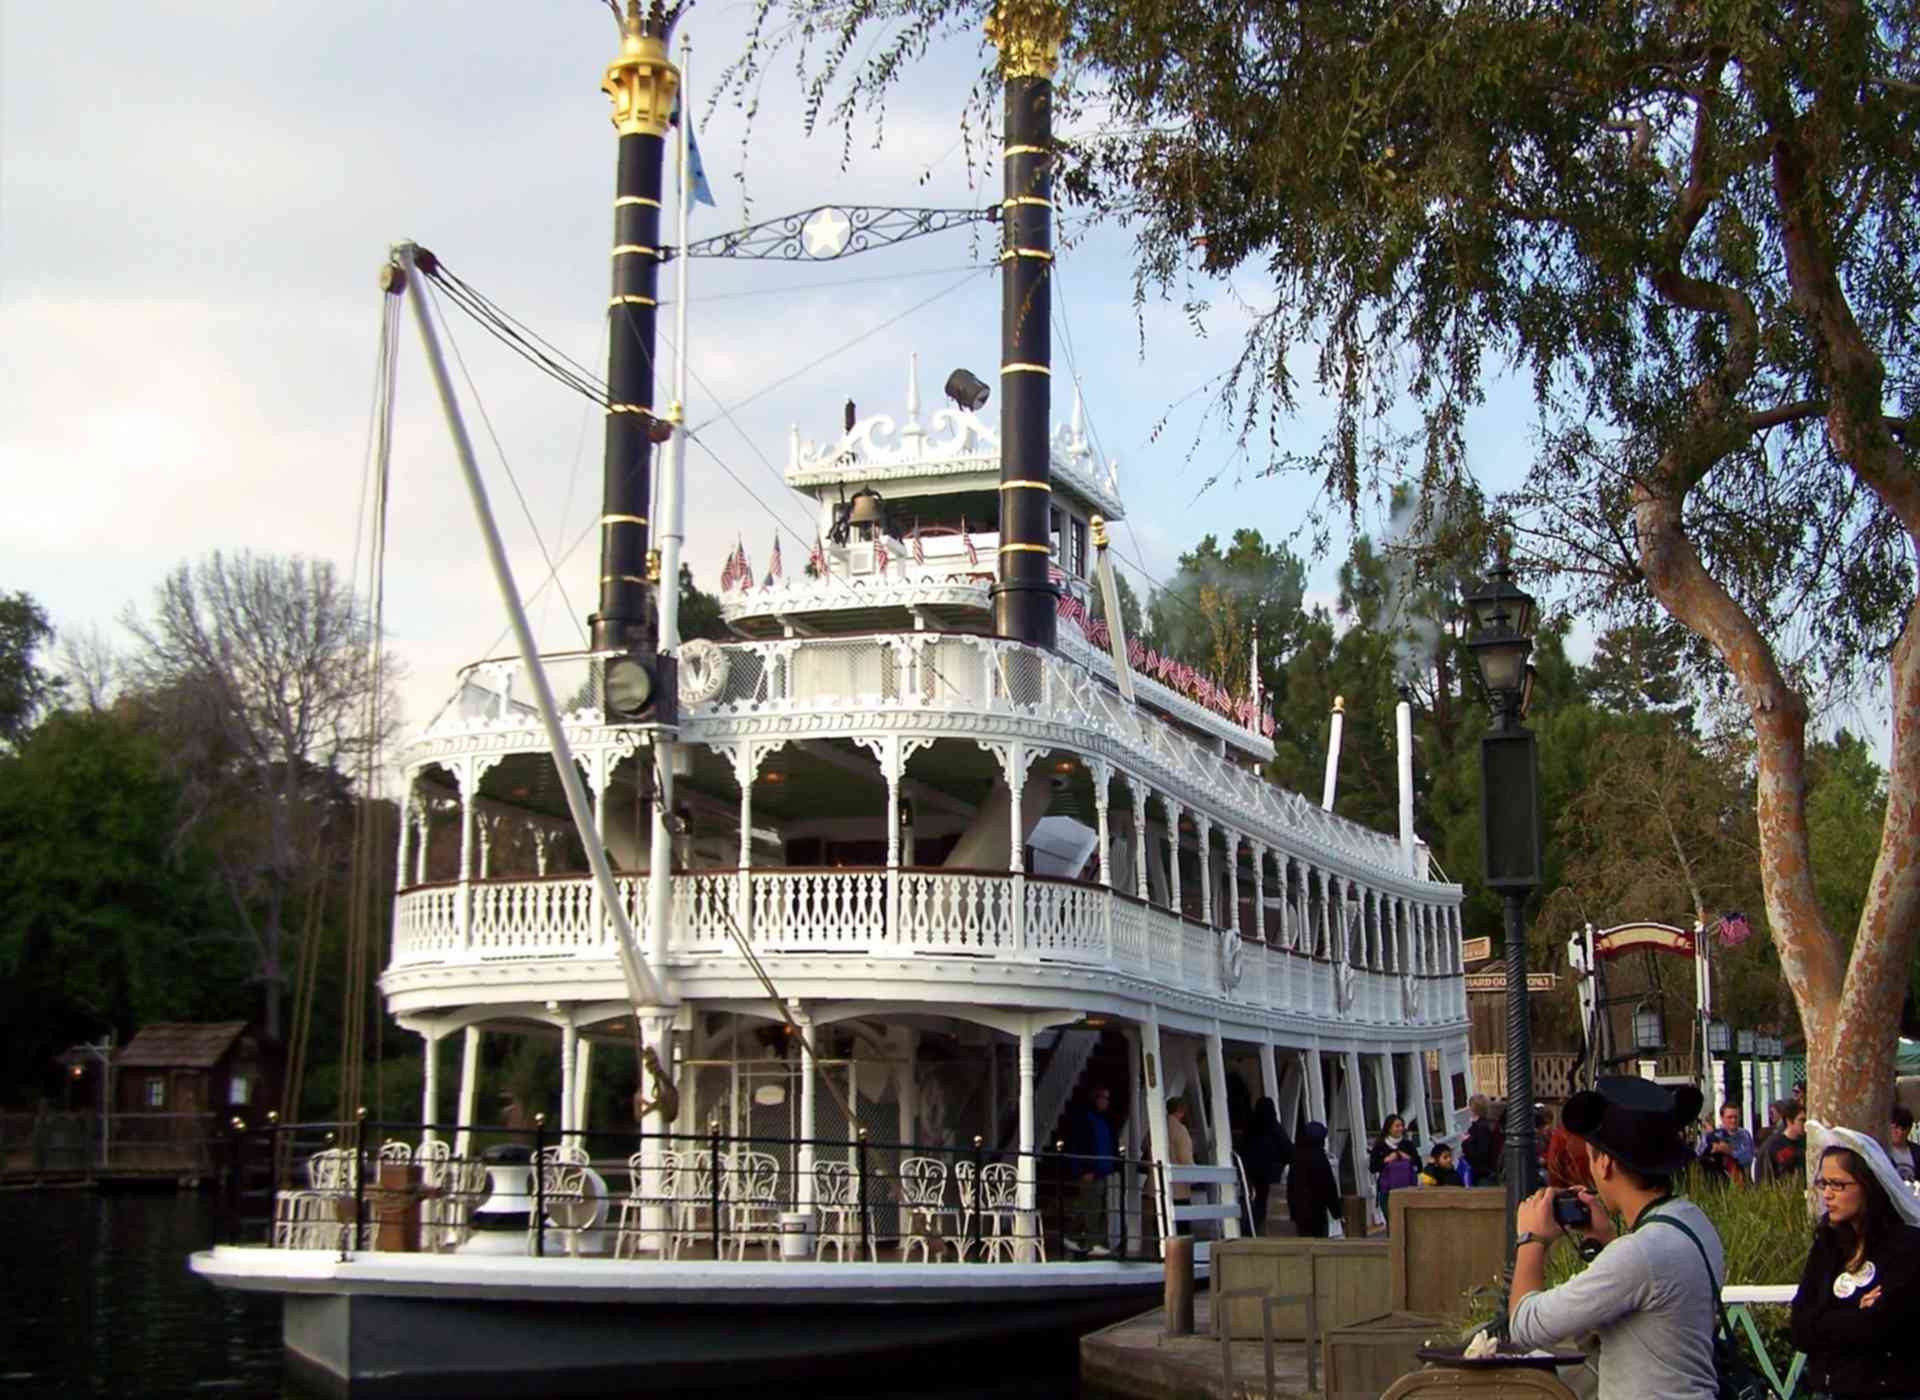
97	1300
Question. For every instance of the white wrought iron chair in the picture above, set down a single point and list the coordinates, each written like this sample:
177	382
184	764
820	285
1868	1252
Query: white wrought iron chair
691	1213
465	1186
396	1151
967	1184
1006	1225
562	1193
923	1199
434	1157
650	1184
311	1217
750	1198
836	1197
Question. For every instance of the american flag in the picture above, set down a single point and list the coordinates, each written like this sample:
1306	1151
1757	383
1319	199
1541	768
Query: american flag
773	566
1734	930
743	567
730	571
973	555
879	556
817	561
919	550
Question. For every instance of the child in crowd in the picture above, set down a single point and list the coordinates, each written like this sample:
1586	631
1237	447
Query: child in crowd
1439	1170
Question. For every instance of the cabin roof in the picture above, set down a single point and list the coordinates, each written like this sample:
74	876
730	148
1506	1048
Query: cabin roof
179	1044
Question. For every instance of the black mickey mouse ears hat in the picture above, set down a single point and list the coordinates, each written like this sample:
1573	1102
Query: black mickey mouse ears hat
1638	1123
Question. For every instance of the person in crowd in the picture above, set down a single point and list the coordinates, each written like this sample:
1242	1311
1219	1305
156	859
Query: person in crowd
1265	1153
1091	1159
1900	1142
1313	1193
1479	1149
1439	1170
1649	1292
1858	1304
1785	1156
1179	1153
1567	1161
1394	1160
1726	1153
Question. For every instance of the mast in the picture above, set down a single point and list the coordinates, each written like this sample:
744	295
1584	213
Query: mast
1028	35
642	83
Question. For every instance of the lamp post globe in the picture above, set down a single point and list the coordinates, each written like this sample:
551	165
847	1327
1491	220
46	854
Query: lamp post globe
1501	642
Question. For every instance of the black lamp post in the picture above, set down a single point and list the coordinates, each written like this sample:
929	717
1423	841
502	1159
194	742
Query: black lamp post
1502	640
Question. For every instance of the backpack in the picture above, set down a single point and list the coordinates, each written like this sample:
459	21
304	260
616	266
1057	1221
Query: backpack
1737	1378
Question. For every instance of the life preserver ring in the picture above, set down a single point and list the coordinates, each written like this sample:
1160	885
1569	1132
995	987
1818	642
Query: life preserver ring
703	671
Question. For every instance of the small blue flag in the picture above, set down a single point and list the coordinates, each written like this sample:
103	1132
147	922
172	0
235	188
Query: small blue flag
697	169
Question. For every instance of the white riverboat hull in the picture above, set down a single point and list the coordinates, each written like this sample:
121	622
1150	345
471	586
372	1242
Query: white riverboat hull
425	1324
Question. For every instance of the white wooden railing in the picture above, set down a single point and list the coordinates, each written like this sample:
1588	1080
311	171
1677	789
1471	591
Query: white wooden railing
960	914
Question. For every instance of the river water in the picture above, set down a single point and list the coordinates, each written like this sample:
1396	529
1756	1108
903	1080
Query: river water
96	1300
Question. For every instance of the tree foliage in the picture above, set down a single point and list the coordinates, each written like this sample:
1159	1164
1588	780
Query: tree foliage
24	686
1219	600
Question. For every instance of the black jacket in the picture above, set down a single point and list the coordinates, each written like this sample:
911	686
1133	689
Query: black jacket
1853	1350
1265	1153
1481	1152
1312	1193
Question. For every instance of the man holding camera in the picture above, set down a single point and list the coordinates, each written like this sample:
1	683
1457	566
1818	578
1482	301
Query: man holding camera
1649	1292
1728	1143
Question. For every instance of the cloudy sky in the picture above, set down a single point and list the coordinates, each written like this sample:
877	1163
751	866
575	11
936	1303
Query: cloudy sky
195	199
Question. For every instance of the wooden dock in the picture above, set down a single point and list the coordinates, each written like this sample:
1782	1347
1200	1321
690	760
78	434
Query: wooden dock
1134	1360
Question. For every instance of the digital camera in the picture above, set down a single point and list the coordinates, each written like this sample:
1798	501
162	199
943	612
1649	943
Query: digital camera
1570	1212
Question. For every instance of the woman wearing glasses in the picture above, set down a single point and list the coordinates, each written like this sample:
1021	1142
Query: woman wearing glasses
1857	1314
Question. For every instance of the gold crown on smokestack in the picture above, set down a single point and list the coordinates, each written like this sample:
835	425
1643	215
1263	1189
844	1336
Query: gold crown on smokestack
642	82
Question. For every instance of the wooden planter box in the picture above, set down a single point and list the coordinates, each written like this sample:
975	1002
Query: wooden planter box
1444	1242
1348	1279
1366	1358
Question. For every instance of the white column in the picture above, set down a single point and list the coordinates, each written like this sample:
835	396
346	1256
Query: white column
422	829
469	1089
891	766
1270	1073
1136	1099
1102	779
583	1084
405	825
1154	1090
746	767
1028	1177
485	827
1316	1086
1293	1083
1173	854
1233	881
809	1100
1417	1099
656	1031
569	1060
1141	889
1222	1124
1386	1098
1260	896
469	783
429	1087
1357	1127
1203	829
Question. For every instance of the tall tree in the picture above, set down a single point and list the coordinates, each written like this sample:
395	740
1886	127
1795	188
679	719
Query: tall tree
24	686
1218	601
1691	227
259	670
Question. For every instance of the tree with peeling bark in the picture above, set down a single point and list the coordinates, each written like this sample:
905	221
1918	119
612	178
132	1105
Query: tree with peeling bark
1690	228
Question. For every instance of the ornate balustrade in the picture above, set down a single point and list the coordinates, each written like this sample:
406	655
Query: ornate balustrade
874	912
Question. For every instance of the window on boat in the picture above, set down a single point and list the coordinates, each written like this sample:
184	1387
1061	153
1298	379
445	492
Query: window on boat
156	1091
1078	563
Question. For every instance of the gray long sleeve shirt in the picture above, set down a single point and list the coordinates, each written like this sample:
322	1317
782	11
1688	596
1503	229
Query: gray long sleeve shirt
1649	1298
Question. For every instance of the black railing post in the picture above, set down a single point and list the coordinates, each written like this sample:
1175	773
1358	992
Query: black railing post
979	1193
713	1141
359	1180
860	1185
539	1186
